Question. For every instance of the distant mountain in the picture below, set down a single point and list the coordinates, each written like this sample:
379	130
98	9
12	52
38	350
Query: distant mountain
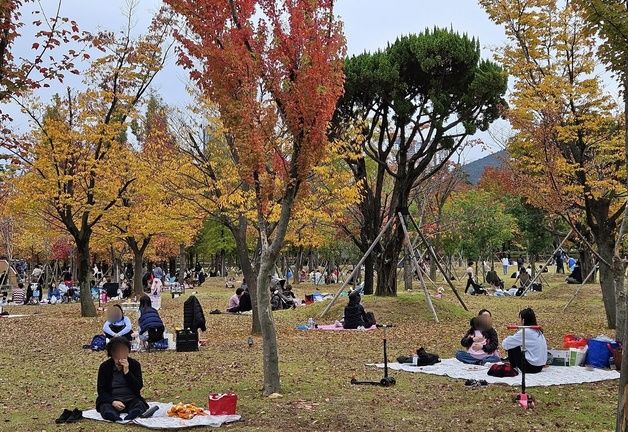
475	169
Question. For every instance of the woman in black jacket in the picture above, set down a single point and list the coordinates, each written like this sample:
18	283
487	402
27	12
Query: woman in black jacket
355	315
120	383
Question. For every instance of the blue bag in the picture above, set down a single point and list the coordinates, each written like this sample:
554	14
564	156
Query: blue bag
598	353
98	343
160	345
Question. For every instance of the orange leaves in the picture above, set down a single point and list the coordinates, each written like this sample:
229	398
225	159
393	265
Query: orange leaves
276	79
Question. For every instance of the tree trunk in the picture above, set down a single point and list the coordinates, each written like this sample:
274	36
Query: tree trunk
606	247
369	274
299	266
272	382
618	270
87	303
407	272
248	270
387	269
183	266
138	258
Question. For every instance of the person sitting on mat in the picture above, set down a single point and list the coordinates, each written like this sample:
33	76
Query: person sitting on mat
576	275
120	383
117	324
536	345
477	289
355	315
245	302
234	301
151	325
481	343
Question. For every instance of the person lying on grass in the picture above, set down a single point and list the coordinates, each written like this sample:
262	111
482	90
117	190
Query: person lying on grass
480	342
120	383
355	315
536	345
117	324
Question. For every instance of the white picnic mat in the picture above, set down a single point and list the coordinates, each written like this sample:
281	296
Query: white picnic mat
12	316
160	419
552	375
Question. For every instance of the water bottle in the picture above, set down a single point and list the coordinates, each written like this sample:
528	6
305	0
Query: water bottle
310	323
415	360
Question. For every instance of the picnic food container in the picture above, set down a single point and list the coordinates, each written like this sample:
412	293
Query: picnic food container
222	404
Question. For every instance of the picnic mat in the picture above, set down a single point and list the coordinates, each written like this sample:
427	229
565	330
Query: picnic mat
12	316
552	375
160	419
332	327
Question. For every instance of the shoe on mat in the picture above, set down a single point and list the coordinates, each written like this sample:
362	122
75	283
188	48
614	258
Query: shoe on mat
133	414
111	416
65	415
75	416
483	382
470	383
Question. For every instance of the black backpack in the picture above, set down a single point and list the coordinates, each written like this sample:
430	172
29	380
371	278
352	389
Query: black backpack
425	358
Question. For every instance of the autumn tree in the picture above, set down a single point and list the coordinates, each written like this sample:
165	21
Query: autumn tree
477	224
274	69
79	140
610	19
422	95
569	137
146	210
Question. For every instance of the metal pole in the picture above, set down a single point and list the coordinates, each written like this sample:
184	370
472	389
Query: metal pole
591	273
433	255
525	290
357	267
428	299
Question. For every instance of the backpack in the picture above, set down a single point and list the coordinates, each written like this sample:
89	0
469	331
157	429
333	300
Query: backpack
502	370
425	358
98	343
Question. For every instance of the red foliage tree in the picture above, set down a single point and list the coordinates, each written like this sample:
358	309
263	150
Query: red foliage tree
274	69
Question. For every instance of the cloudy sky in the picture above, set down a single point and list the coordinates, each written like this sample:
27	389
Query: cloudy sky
369	24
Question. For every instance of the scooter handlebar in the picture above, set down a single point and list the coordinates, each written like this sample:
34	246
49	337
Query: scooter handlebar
515	327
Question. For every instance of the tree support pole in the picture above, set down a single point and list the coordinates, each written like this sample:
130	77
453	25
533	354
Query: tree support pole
357	267
591	273
527	288
428	298
435	258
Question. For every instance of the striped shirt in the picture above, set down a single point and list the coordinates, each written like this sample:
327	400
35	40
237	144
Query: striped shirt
18	296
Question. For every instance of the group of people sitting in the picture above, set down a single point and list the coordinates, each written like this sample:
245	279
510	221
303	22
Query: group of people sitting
151	326
481	343
241	300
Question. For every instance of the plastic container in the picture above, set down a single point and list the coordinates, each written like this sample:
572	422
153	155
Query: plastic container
572	341
222	404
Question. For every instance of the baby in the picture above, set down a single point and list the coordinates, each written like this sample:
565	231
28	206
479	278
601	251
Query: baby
478	339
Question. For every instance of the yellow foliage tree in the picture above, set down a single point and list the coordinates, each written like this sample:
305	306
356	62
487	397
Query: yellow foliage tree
73	157
568	145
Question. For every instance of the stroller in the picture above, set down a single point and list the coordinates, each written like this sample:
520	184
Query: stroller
278	300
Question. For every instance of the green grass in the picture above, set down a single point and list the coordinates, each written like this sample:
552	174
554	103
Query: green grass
43	368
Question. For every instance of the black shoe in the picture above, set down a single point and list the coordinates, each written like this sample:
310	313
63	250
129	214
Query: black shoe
470	383
111	416
133	414
65	415
483	383
75	416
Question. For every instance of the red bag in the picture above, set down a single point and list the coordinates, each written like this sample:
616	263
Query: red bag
571	341
222	404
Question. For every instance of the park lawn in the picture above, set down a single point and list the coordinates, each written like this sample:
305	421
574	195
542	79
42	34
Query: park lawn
43	368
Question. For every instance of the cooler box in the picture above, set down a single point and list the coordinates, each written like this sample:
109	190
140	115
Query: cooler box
187	341
222	404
